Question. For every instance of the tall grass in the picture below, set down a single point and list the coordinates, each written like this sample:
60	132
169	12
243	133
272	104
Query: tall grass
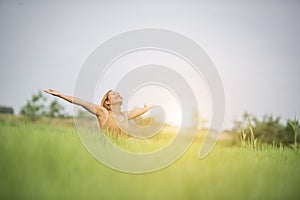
294	125
46	160
250	141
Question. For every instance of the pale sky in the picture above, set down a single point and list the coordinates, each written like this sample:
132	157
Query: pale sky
255	46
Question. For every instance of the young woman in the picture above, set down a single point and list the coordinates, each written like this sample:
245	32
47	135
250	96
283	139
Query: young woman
108	113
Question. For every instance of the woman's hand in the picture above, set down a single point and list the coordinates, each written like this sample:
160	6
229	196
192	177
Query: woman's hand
139	111
53	92
148	106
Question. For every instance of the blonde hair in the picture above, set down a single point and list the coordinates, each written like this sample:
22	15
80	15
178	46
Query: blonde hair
104	99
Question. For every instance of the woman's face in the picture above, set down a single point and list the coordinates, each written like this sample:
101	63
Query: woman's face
115	98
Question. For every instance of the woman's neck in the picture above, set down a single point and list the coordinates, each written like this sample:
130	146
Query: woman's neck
116	109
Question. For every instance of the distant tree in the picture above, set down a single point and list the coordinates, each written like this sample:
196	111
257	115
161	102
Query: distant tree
55	109
6	110
37	106
269	129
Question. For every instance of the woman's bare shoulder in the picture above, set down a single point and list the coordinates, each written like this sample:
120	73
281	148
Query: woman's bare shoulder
101	111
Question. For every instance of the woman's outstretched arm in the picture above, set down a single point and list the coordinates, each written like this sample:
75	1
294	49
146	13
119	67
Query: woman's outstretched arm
92	108
139	111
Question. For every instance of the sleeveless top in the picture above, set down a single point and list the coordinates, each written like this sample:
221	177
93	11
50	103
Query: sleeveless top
116	124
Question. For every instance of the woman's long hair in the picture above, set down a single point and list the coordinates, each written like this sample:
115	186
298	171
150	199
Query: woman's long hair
104	99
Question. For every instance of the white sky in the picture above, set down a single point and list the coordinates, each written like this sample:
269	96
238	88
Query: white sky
255	46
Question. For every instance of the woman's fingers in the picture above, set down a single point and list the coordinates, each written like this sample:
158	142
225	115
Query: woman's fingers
51	91
47	91
149	106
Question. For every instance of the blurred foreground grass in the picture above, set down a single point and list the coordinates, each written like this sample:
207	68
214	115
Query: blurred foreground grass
46	160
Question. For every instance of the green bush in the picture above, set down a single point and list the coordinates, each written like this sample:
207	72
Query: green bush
270	129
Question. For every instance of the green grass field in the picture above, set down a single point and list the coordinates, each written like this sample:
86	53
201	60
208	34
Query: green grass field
46	160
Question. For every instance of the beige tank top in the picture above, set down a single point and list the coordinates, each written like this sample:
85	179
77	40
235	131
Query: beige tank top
118	124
